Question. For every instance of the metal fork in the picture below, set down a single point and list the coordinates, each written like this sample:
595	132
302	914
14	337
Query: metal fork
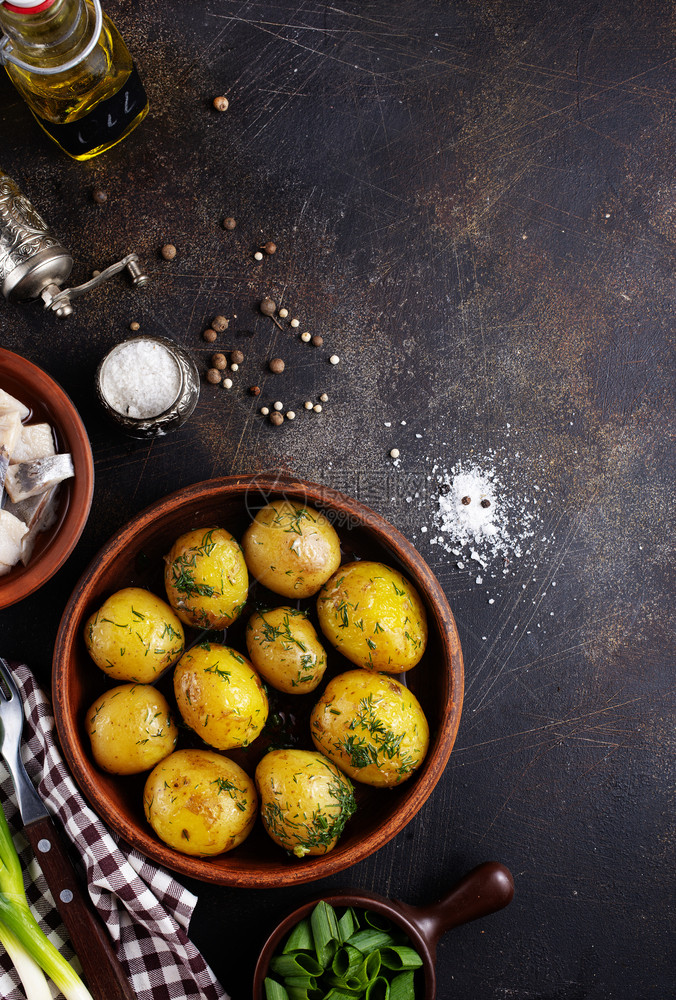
104	974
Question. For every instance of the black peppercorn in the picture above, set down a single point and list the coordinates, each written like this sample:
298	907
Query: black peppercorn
268	307
485	502
466	500
100	196
276	365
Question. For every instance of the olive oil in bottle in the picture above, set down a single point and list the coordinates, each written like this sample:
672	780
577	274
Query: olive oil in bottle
71	66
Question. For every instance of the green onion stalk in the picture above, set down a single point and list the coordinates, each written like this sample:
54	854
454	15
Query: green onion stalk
23	938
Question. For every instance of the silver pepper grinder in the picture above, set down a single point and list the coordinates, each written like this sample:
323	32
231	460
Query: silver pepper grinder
33	264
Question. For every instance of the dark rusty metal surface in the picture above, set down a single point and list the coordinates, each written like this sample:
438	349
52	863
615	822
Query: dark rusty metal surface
475	205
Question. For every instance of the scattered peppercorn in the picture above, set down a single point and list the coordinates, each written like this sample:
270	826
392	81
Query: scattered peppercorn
258	255
317	408
485	502
270	247
168	251
290	415
317	340
213	376
229	223
394	453
466	500
220	324
210	335
268	307
334	359
254	390
234	368
305	337
227	383
265	410
444	489
134	326
277	419
219	362
236	357
278	405
276	365
100	196
295	323
324	398
221	103
95	274
283	313
308	405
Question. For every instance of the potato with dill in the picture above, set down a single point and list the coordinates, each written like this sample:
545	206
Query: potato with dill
371	727
200	802
206	578
131	729
220	696
305	800
284	648
374	617
291	549
134	636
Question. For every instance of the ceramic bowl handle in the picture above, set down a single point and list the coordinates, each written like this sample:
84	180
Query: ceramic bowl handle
484	890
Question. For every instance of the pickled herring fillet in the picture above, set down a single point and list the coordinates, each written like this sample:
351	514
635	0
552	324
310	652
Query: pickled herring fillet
8	403
12	532
35	441
43	517
10	428
28	478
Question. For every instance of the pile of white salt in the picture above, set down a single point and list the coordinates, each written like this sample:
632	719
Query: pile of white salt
140	379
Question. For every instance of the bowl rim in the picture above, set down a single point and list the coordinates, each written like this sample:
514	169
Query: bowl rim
203	869
13	588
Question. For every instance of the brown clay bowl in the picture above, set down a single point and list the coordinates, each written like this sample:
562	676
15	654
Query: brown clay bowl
486	889
134	557
49	403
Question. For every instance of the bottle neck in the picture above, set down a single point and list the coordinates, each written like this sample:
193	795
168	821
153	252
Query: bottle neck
49	32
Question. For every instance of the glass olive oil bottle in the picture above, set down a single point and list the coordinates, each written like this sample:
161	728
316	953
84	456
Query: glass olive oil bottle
71	66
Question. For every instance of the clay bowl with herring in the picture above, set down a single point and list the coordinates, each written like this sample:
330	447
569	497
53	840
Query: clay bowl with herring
135	557
48	403
486	889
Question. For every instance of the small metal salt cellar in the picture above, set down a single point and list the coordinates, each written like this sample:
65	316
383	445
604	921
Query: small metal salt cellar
34	264
148	385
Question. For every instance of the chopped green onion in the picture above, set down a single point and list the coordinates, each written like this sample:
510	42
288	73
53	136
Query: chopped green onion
379	989
346	961
369	939
366	966
400	957
401	987
294	965
377	920
347	925
273	990
15	914
300	938
324	931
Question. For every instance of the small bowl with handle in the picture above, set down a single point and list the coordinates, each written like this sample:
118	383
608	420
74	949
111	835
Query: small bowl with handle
486	889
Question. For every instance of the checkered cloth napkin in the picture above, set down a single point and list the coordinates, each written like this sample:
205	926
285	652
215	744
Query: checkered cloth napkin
146	911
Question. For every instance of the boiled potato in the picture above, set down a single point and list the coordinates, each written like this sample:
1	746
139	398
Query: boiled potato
206	578
200	802
284	648
371	726
134	636
305	800
220	696
131	729
291	549
374	616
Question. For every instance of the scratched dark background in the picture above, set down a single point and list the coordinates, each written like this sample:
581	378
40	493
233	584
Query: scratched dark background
475	204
